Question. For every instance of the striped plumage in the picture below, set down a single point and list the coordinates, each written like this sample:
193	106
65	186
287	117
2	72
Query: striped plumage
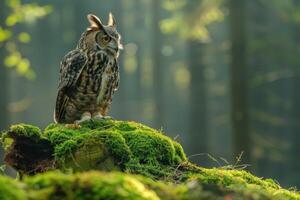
89	74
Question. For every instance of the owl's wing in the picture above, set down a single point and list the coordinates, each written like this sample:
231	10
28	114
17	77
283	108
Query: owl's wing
70	69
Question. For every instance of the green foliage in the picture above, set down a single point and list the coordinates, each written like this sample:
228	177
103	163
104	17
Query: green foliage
19	13
190	19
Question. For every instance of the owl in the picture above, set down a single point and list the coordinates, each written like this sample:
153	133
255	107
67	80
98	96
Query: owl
89	74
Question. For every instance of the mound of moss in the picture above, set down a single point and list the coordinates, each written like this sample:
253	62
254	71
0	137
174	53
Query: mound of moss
95	185
95	145
129	148
11	189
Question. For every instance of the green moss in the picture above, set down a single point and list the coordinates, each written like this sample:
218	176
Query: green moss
179	153
26	130
11	189
67	141
116	185
133	146
92	185
99	185
150	148
240	180
130	147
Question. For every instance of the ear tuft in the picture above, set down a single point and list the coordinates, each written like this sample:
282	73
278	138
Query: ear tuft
111	20
95	22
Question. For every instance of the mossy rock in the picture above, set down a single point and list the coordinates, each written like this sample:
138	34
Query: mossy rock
95	145
127	147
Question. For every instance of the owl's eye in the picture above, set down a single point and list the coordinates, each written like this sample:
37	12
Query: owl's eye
105	39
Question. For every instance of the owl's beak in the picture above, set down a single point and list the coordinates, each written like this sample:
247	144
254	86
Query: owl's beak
113	50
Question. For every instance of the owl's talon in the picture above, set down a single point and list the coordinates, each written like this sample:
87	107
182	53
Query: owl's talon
73	126
100	117
97	117
78	122
107	117
85	117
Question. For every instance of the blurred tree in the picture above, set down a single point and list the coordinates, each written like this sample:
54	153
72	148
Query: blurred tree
3	85
272	66
120	100
294	161
18	13
198	98
189	20
13	13
158	69
4	118
238	71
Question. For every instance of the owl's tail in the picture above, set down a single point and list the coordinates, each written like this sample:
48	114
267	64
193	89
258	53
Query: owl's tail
60	107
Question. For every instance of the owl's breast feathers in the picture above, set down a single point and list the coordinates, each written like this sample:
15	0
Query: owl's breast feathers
87	83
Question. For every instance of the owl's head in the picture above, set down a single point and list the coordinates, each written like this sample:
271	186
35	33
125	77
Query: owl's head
103	37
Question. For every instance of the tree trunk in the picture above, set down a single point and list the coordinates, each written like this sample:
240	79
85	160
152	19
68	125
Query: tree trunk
157	66
239	105
198	121
296	101
3	79
4	118
121	106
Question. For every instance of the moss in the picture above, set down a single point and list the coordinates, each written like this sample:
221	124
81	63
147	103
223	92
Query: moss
179	155
27	150
25	130
129	147
242	181
150	148
133	146
92	185
67	141
11	189
116	185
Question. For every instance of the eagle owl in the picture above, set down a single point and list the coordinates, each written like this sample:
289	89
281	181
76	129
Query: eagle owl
89	74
